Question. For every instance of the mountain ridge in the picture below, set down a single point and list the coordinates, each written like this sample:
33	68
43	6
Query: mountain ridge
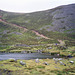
57	19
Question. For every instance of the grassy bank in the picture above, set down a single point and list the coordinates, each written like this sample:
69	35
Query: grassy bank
43	49
33	68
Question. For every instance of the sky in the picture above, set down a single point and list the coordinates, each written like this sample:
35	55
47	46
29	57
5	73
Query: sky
27	6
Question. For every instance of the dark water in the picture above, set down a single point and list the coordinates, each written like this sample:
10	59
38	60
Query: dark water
5	56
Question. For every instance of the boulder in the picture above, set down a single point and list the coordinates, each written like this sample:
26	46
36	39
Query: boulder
12	60
22	63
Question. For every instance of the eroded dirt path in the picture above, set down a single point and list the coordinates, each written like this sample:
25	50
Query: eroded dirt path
41	35
25	29
15	25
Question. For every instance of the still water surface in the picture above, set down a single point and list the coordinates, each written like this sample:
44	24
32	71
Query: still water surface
5	56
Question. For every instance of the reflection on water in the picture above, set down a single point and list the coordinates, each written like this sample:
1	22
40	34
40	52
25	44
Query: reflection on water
5	56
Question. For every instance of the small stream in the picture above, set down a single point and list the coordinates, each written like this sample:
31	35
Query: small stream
5	56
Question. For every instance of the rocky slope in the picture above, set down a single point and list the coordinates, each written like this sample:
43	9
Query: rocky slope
63	19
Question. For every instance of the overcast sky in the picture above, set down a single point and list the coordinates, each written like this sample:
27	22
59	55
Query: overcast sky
27	6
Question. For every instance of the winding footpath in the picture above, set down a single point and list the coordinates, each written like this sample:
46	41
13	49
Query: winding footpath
14	25
41	35
25	29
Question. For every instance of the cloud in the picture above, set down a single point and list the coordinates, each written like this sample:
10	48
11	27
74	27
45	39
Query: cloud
31	5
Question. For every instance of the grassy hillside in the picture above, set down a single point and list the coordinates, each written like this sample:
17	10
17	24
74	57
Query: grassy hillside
57	23
57	19
35	32
11	35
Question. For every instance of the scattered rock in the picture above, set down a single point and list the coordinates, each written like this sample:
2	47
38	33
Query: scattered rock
22	63
45	63
5	31
69	56
57	60
12	60
60	59
58	54
61	63
49	47
37	60
17	33
72	62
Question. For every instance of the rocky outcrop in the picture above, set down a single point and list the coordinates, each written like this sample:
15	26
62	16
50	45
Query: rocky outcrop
63	19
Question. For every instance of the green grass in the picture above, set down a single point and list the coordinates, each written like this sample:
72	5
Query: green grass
37	68
32	21
11	35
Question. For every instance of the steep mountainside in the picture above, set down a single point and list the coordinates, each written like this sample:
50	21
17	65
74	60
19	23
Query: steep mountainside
38	27
12	35
58	19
